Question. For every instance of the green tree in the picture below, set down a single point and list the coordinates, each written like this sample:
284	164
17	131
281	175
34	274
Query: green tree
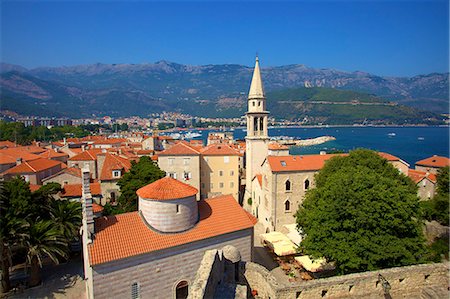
43	239
66	216
12	232
363	214
141	173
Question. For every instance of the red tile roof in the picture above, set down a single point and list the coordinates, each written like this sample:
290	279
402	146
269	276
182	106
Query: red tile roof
127	235
180	149
113	162
299	163
34	188
7	143
34	166
53	154
166	188
418	176
10	155
275	146
74	190
96	208
259	178
219	150
388	157
88	155
435	161
31	149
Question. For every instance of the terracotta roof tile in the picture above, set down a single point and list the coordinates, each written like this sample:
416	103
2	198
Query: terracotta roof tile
34	188
275	146
299	163
418	176
166	188
87	155
53	154
435	161
126	235
113	162
96	208
7	144
31	149
180	149
74	190
259	178
389	157
219	150
34	166
8	155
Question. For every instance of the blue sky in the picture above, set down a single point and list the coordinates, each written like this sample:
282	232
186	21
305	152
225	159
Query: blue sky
395	38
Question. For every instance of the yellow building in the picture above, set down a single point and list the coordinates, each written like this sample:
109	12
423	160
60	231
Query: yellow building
219	167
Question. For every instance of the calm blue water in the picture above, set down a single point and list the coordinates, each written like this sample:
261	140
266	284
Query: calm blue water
405	144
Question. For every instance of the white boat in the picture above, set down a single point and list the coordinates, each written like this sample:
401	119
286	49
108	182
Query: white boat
190	135
420	138
391	134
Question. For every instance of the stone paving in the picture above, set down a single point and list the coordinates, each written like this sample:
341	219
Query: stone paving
62	281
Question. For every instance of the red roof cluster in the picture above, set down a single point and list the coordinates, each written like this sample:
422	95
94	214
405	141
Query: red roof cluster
87	155
75	190
299	163
180	149
418	176
165	189
113	162
127	235
34	166
219	150
435	161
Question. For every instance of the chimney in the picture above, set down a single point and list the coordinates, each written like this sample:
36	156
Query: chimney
103	150
88	215
83	147
18	161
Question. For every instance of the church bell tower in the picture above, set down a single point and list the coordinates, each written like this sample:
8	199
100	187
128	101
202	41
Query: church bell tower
257	138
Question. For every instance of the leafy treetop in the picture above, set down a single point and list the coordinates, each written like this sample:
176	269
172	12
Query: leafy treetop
363	215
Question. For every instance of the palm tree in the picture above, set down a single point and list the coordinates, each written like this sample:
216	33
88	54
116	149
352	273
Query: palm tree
44	239
12	232
66	215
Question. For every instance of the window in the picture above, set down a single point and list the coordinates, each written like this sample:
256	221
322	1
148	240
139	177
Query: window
186	161
231	172
116	173
203	185
259	103
178	209
112	196
226	159
306	184
288	185
187	176
287	205
221	185
173	175
182	290
255	124
253	103
283	163
135	291
171	160
231	184
220	173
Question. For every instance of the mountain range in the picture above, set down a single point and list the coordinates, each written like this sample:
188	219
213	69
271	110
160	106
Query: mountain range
208	90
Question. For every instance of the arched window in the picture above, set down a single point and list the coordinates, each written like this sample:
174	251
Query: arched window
287	205
181	291
288	185
261	124
306	184
255	124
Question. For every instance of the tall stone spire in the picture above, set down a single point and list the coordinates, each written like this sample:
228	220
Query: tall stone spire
256	87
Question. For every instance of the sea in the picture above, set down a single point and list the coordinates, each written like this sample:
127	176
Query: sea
410	144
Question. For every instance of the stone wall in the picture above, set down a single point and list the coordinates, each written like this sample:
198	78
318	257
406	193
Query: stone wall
158	273
208	276
419	281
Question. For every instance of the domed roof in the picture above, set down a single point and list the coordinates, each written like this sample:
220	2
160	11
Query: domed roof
165	189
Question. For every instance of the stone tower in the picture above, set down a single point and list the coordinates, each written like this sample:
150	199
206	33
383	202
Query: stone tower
257	138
